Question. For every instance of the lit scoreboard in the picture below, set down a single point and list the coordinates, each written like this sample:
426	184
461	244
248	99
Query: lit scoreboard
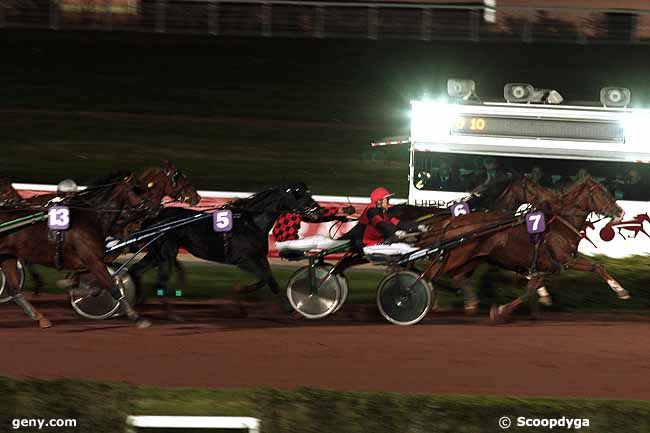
554	129
530	130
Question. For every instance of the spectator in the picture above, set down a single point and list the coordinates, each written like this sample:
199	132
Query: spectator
445	180
493	176
633	188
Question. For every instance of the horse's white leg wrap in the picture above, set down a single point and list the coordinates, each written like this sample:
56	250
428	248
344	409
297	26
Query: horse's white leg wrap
618	289
544	296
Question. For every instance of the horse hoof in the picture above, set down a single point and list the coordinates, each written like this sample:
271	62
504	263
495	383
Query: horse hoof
496	316
175	317
471	308
624	295
43	323
546	301
142	323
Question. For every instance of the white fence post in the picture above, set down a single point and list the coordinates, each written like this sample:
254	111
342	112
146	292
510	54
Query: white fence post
373	22
213	17
634	33
474	23
109	15
161	16
266	19
425	28
319	28
527	33
54	14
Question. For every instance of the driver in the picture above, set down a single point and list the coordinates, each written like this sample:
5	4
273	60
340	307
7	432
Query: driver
375	227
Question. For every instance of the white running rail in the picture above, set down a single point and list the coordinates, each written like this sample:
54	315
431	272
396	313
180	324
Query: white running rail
217	194
194	422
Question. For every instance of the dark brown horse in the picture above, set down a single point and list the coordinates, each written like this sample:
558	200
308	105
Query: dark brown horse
500	239
92	215
168	181
8	195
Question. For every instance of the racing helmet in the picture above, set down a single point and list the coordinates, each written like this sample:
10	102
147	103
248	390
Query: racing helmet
379	194
66	186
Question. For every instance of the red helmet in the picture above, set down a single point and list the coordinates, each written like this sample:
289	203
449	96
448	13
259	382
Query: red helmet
379	194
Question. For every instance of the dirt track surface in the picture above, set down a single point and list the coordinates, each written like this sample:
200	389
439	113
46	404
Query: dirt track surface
603	356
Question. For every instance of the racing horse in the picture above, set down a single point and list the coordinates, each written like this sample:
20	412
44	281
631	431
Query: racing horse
246	246
168	181
503	240
156	183
8	195
519	191
93	214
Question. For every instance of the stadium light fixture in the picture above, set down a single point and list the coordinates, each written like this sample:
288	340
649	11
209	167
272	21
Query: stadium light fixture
461	88
617	97
518	92
431	120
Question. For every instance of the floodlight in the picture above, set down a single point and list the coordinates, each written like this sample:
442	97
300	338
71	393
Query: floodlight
618	97
460	88
518	92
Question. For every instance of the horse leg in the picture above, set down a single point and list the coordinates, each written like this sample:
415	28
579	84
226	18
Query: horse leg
585	265
261	268
181	273
544	297
470	298
36	278
503	312
97	268
162	284
149	261
10	269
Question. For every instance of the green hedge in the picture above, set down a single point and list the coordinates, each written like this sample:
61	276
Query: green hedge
575	291
102	408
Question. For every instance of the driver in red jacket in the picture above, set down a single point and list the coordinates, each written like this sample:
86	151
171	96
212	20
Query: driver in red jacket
376	225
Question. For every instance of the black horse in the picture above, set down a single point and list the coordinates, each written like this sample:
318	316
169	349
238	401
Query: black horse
245	246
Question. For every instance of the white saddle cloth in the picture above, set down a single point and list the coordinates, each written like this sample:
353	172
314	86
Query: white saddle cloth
389	249
317	242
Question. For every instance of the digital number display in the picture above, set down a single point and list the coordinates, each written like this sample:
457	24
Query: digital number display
558	129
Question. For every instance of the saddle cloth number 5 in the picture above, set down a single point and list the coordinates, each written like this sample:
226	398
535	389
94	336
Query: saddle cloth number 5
222	220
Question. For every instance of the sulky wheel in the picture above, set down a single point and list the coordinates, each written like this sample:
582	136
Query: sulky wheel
93	303
4	297
403	298
343	284
314	292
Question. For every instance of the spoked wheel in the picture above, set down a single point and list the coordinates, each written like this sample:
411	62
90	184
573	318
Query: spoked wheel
89	301
4	297
314	292
403	298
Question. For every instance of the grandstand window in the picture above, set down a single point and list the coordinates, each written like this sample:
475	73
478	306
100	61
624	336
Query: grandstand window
435	171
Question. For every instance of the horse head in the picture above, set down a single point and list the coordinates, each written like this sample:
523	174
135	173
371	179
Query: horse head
297	198
7	192
525	190
171	182
126	194
588	195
